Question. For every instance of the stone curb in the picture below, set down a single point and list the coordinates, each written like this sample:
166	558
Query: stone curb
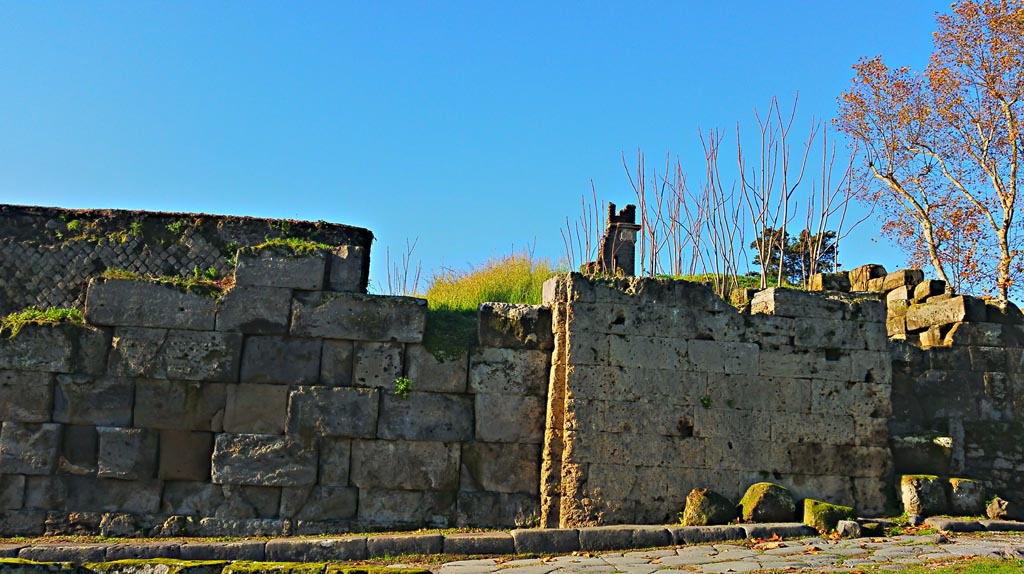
521	541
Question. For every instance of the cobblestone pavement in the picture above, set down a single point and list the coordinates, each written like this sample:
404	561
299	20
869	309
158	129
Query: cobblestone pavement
804	555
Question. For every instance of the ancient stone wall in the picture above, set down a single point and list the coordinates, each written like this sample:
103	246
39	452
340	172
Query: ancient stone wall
48	255
278	409
659	386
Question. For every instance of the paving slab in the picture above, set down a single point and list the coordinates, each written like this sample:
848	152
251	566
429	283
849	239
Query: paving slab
479	543
64	553
255	551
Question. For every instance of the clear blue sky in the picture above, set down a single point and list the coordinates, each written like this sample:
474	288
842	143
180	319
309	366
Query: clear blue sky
472	126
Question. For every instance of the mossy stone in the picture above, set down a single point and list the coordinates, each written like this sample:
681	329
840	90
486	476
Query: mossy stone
158	566
706	507
340	569
767	502
824	516
19	565
966	497
251	567
923	494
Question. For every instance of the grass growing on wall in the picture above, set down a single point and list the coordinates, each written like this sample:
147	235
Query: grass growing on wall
34	315
453	297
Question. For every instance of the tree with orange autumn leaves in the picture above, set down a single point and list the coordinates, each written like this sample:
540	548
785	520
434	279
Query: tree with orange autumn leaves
943	147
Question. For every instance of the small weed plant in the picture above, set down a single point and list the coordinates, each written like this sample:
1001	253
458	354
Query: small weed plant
402	386
298	245
34	315
203	282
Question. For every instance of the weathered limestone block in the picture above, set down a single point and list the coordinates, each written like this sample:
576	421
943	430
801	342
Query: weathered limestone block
256	409
191	498
336	363
281	360
93	400
319	502
957	309
429	373
825	517
333	412
22	522
415	508
903	293
510	326
496	510
859	276
928	288
397	545
426	416
255	310
657	352
829	282
12	491
822	459
315	550
404	465
25	396
125	303
1001	509
706	508
174	354
760	393
79	450
896	326
185	455
262	460
767	502
179	405
335	454
508	418
720	421
860	400
376	364
127	453
803	362
497	467
923	495
29	448
740	297
85	494
832	428
279	266
348	269
249	502
831	333
508	372
966	497
985	335
796	304
359	317
61	348
902	278
746	454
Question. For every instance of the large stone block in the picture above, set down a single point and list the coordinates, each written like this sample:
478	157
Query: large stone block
902	278
509	418
637	383
376	364
760	393
122	303
88	494
429	373
249	502
829	282
262	460
179	405
945	312
335	454
804	362
656	352
720	421
426	416
496	510
174	354
22	523
336	363
12	491
796	304
859	276
722	357
26	396
281	360
319	502
498	467
191	498
255	310
333	412
61	348
359	317
861	400
280	266
406	508
509	372
405	465
510	326
185	455
348	269
833	333
256	409
127	453
29	448
79	450
93	400
832	428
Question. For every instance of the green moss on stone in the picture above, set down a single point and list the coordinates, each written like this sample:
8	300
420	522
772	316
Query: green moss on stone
766	502
450	334
298	246
158	566
823	516
340	569
20	566
251	567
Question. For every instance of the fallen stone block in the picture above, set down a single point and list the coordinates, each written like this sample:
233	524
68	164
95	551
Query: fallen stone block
280	266
902	278
923	495
358	317
262	460
706	534
255	310
848	529
126	303
1004	312
1001	509
313	550
829	282
859	276
546	541
11	550
966	497
509	326
398	545
479	543
938	313
706	507
767	502
927	289
823	516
